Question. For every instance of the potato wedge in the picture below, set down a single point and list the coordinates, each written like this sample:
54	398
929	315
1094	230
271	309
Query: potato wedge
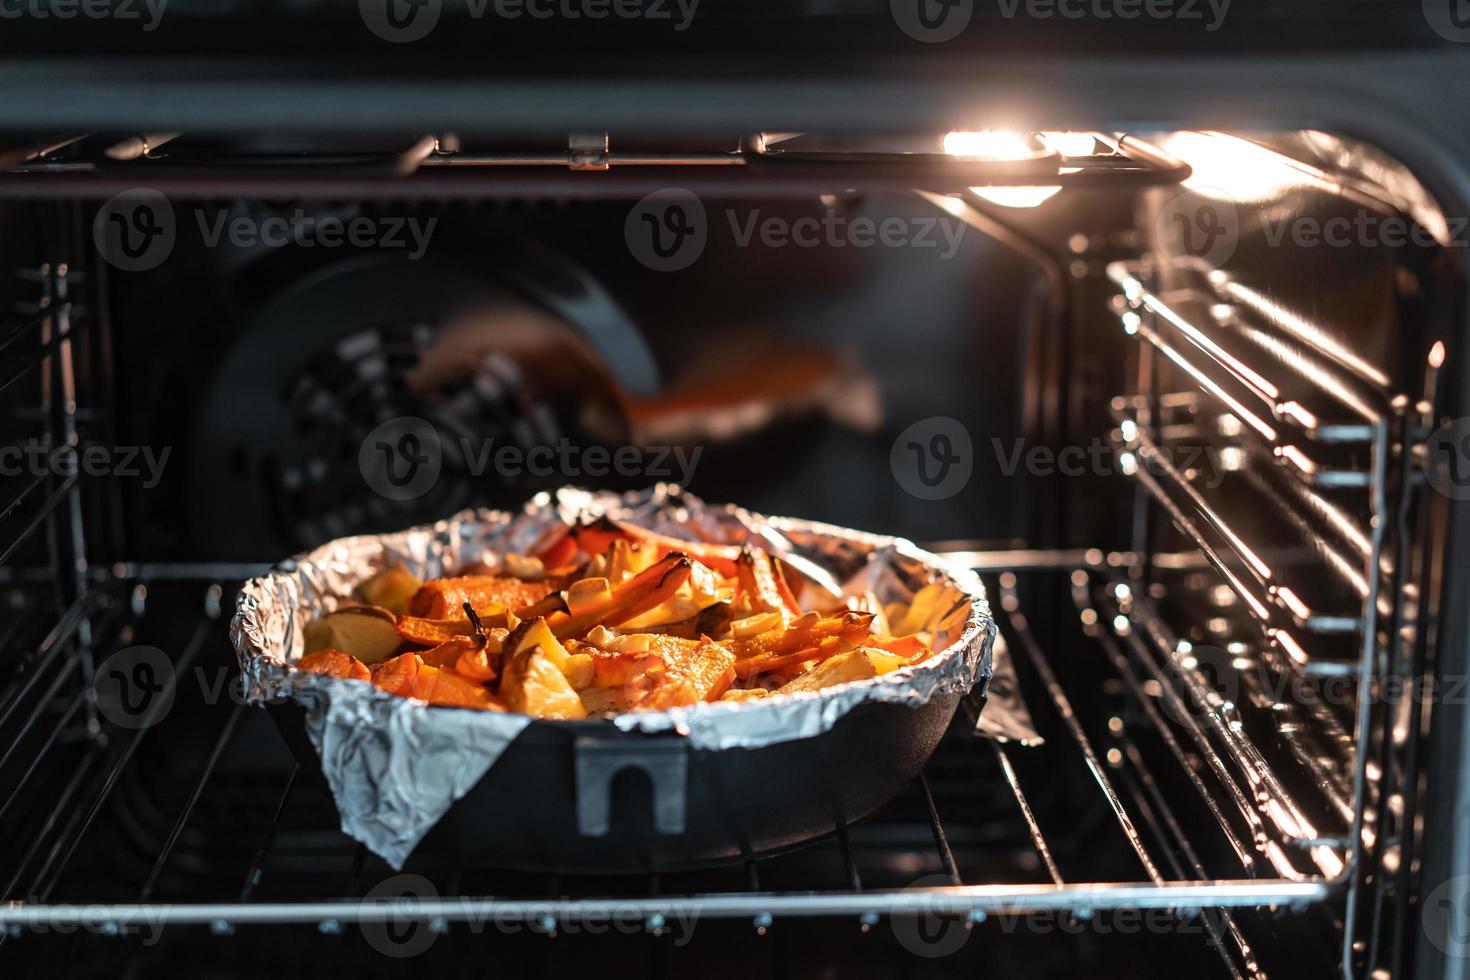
855	665
536	633
368	633
535	685
392	588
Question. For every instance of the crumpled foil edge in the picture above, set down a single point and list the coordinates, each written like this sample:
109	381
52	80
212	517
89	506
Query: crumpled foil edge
395	765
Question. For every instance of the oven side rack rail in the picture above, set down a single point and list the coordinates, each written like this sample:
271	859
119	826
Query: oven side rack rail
437	165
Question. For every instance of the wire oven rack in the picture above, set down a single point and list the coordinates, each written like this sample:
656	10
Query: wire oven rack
1322	443
1234	858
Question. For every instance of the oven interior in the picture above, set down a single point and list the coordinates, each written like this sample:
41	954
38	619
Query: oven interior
1195	492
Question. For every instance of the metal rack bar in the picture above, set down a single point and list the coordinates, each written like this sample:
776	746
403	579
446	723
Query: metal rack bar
257	864
1274	800
1268	602
188	811
1010	898
1074	727
65	628
58	497
67	844
1276	416
946	856
1038	840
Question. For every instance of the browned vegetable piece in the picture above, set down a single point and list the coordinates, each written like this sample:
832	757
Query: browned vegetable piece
466	656
809	638
682	672
397	676
534	684
432	632
335	663
444	598
366	632
628	599
595	537
758	591
392	588
445	687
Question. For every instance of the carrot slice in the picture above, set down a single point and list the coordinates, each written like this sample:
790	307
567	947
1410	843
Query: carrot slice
634	597
397	676
335	663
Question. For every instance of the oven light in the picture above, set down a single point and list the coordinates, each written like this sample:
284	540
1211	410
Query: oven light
1234	169
989	144
1016	197
1069	144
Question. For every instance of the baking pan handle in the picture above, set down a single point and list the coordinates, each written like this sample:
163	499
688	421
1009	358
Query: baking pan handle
598	761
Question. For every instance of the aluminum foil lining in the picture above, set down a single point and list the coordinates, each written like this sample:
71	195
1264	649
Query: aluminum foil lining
395	765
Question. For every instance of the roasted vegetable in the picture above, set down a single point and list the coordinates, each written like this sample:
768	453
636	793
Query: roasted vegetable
678	672
335	663
366	632
809	638
609	618
391	589
855	665
533	684
444	598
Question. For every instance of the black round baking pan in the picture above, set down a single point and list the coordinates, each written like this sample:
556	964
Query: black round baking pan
587	797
